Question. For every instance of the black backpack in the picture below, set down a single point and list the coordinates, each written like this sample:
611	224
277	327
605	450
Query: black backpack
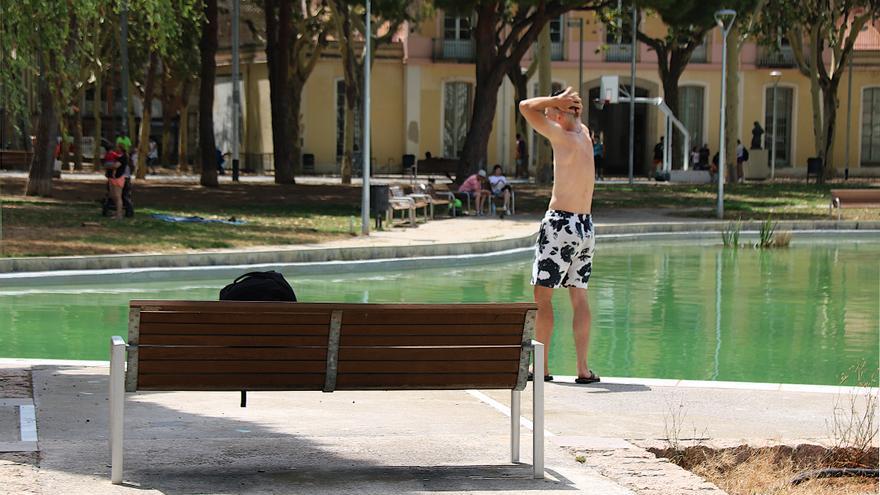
258	286
745	154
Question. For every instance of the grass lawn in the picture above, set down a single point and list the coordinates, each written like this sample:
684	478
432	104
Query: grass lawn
70	222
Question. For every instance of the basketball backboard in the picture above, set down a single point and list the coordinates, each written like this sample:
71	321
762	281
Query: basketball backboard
609	89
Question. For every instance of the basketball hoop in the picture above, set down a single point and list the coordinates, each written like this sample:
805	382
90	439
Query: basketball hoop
600	103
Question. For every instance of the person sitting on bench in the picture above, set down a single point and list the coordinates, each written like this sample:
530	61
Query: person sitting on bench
500	188
477	187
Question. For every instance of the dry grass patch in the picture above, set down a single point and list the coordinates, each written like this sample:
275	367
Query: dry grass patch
746	470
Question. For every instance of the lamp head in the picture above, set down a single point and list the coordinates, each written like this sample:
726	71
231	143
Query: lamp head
725	18
776	75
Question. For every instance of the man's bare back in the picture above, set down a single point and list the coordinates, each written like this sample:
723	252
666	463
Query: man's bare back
558	119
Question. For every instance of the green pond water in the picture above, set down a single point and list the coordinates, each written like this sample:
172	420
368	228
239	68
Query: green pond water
807	314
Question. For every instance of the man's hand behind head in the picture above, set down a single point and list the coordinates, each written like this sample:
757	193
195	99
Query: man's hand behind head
569	101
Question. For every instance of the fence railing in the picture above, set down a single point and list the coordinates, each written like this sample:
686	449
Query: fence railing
618	53
454	50
780	57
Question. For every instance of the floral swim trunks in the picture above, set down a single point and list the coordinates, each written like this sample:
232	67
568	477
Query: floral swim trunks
564	254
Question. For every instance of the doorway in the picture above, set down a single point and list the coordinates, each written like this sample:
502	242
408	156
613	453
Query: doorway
613	122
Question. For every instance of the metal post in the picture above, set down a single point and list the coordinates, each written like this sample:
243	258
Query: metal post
848	115
514	425
720	17
123	49
773	132
117	406
236	102
365	197
632	90
538	411
581	57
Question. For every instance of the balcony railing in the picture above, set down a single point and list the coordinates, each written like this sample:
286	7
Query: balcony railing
455	50
780	57
699	55
618	53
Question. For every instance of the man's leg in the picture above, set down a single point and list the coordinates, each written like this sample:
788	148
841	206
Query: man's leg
544	322
506	199
580	328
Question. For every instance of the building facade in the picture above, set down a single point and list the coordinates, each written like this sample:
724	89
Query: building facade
423	87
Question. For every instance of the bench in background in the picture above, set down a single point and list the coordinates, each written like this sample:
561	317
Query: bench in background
853	198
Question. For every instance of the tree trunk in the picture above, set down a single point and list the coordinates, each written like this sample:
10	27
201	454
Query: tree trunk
129	113
183	128
169	109
732	124
544	153
670	97
147	117
830	104
96	114
208	48
40	176
278	39
78	130
294	123
348	136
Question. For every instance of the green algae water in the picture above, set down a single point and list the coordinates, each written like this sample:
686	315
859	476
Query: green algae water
807	314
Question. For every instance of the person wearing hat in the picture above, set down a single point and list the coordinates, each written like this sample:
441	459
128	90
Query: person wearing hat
477	187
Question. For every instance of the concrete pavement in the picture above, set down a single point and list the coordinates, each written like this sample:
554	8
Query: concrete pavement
400	442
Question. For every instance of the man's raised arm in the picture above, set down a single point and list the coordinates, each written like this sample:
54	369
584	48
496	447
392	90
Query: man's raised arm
533	110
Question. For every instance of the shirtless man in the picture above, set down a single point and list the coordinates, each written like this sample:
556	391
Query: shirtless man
564	254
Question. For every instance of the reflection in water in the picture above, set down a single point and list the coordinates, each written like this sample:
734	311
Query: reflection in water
680	310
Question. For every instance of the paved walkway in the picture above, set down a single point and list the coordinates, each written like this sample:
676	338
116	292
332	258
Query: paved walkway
392	442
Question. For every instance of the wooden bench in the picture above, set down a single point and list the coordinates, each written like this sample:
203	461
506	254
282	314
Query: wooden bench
15	159
416	201
240	346
853	198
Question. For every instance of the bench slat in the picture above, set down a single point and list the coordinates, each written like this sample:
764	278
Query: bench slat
147	353
354	367
453	381
234	340
231	381
231	329
246	318
493	353
433	316
423	329
232	366
427	340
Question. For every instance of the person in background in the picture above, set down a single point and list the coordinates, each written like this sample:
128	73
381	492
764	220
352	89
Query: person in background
658	156
704	157
153	156
500	188
757	132
695	158
598	153
522	157
115	164
476	186
740	158
220	161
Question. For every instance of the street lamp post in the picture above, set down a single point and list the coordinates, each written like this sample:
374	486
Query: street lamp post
775	75
236	97
579	22
365	168
632	90
725	19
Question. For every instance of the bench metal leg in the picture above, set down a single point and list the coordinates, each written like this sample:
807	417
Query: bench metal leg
538	411
117	406
514	425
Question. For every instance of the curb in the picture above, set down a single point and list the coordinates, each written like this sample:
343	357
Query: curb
13	268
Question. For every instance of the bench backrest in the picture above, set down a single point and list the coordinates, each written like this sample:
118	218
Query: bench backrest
396	192
214	345
857	195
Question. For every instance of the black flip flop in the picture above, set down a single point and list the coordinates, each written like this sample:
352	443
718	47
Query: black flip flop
593	378
547	378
